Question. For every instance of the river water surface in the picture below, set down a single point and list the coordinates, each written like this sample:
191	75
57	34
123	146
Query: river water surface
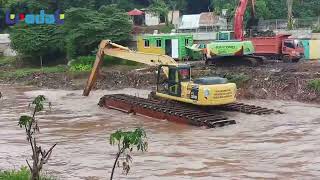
258	147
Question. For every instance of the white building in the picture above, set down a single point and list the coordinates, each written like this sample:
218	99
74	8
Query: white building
5	48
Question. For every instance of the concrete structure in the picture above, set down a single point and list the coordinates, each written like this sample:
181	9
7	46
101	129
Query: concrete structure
315	36
148	18
5	46
151	19
311	49
174	17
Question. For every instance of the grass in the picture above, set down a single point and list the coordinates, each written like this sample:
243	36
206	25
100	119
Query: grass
19	73
21	174
314	85
6	60
78	66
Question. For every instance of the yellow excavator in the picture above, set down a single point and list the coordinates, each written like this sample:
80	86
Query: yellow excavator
174	80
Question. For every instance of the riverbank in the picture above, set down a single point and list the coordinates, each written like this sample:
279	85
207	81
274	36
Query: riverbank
273	81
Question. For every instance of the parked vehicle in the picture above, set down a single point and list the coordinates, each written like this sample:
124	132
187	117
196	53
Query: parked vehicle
278	47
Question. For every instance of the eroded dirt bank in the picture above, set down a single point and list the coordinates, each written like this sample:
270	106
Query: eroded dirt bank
280	81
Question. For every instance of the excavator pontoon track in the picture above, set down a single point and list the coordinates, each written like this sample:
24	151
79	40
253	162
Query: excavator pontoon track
181	113
236	107
158	110
248	109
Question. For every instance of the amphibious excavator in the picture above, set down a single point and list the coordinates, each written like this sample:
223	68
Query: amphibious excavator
178	97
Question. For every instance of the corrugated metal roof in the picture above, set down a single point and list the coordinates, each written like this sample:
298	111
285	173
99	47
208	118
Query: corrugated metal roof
135	12
190	21
195	21
208	19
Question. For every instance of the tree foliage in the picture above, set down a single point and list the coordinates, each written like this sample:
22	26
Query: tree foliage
37	40
160	8
86	28
89	21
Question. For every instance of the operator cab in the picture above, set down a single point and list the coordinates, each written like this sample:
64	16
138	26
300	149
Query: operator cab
176	75
179	75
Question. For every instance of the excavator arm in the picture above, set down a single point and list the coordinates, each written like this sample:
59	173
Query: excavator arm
239	15
109	48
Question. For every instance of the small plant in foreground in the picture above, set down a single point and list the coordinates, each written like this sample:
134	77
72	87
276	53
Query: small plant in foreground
126	141
314	84
30	124
22	174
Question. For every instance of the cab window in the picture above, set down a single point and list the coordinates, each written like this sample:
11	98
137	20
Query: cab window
184	74
172	75
288	44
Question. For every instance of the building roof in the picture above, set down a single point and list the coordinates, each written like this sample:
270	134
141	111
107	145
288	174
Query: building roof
208	19
190	21
135	12
194	21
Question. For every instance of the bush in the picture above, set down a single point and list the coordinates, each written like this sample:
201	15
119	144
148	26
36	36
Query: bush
84	60
22	174
239	79
314	85
80	68
167	29
23	72
316	30
81	64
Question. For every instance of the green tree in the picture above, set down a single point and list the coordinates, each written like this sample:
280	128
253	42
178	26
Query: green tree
86	28
126	142
161	8
38	40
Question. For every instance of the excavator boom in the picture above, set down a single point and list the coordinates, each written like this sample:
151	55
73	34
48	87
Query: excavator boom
239	15
109	48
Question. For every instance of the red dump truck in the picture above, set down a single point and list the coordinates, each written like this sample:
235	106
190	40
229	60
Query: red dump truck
278	47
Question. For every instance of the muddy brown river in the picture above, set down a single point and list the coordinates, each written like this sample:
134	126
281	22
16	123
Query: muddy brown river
258	147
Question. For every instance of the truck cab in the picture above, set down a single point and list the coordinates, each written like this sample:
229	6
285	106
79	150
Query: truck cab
292	50
225	35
